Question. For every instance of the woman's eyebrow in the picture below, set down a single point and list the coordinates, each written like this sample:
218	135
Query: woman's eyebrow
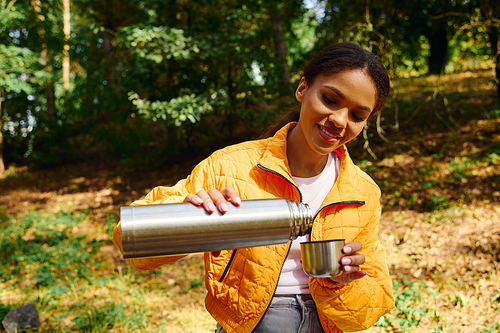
341	95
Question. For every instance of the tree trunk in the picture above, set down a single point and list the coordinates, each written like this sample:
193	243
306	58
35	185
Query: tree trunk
285	87
109	48
493	37
51	100
230	93
438	41
49	89
490	11
2	165
67	31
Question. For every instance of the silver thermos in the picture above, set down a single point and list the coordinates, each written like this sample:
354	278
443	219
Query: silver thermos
170	229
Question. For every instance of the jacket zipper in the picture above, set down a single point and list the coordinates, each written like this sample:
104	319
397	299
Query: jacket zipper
346	202
226	270
279	174
290	245
227	266
277	282
358	202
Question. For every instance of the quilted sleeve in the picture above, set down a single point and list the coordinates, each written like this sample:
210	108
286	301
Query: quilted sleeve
200	178
358	305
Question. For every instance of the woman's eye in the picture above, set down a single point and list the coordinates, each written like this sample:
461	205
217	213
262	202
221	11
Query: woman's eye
328	100
357	118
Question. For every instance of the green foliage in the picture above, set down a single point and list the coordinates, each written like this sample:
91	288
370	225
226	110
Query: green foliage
409	299
18	69
45	248
469	47
195	283
9	15
103	319
459	166
4	309
425	170
493	114
157	43
176	111
390	29
428	184
492	155
489	329
443	215
437	203
110	222
168	59
367	166
412	200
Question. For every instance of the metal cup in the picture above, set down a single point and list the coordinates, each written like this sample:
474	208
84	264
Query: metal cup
321	259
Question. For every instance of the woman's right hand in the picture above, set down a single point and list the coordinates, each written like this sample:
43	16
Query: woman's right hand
214	199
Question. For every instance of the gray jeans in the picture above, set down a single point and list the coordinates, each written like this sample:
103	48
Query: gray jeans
288	314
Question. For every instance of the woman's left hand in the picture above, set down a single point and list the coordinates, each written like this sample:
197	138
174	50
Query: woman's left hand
351	261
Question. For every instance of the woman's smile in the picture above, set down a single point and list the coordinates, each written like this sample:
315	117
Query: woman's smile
328	134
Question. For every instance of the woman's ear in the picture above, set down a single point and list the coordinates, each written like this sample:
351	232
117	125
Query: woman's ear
301	89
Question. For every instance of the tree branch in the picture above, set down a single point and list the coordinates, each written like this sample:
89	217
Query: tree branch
10	5
367	143
437	17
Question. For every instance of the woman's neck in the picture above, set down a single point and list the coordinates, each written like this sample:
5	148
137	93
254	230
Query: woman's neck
302	160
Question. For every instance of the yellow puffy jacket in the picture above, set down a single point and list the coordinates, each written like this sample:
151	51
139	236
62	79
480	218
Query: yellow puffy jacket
241	282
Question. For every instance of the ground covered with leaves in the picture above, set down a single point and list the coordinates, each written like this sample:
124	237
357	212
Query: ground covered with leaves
435	153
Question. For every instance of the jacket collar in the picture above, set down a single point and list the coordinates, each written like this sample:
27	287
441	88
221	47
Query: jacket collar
345	187
275	159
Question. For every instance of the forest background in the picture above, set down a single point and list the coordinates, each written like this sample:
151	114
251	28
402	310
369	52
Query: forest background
102	100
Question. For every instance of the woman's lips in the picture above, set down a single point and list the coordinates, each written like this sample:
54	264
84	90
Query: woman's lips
327	134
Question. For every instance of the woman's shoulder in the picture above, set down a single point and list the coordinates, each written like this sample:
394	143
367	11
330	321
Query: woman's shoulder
367	179
243	150
361	178
255	148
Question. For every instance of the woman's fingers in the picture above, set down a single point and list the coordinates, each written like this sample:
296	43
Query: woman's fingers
346	277
231	194
194	199
352	263
201	199
213	199
352	247
218	200
352	259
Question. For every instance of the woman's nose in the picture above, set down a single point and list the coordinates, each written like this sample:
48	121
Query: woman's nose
339	117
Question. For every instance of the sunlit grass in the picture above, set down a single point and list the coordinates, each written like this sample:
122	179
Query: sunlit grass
436	290
97	292
445	266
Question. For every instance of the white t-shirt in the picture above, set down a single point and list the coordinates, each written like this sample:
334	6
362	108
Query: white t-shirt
314	190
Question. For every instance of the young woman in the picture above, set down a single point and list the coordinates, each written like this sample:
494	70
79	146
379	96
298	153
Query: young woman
264	289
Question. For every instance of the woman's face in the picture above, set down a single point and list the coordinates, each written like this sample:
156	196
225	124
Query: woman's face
334	109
